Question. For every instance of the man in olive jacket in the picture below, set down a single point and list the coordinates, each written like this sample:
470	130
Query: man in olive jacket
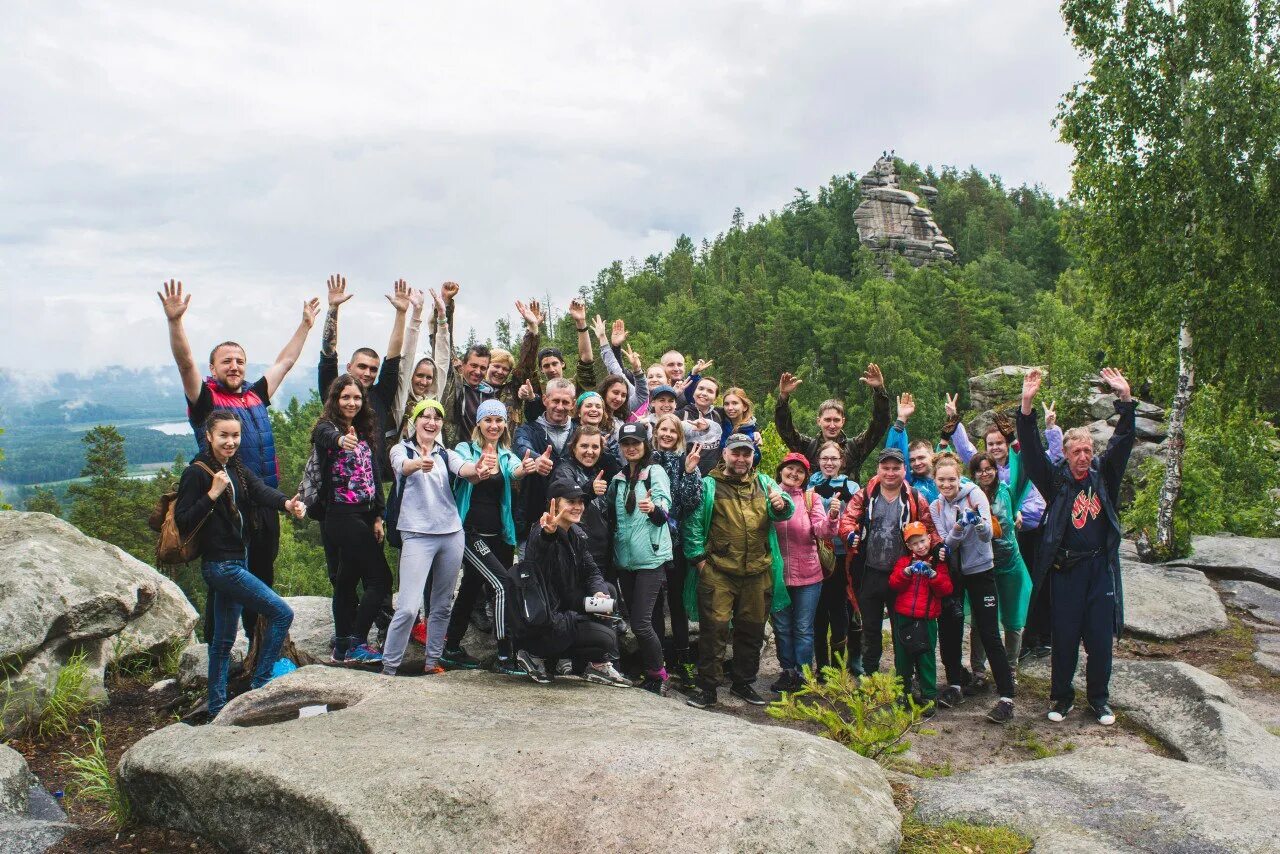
732	544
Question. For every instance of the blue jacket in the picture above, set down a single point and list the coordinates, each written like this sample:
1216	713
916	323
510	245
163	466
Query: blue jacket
897	438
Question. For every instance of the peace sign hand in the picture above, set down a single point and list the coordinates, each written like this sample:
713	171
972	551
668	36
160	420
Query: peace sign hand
1050	414
693	457
950	406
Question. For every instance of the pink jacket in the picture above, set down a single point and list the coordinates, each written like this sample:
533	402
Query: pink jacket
800	564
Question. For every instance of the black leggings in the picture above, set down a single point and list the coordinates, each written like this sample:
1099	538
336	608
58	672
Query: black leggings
643	587
587	639
983	611
485	560
677	572
833	616
360	559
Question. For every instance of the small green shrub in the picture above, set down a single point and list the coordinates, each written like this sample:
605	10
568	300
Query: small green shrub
67	699
171	656
920	838
92	780
867	714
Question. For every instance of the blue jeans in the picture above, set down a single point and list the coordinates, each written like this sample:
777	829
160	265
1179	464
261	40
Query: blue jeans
793	627
232	588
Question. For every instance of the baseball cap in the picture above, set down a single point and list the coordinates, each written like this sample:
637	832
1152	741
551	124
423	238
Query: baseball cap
663	389
795	457
914	529
634	432
739	440
564	488
891	454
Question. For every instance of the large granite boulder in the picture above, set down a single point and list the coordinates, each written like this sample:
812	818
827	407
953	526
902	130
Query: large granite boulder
1198	716
62	592
474	762
1227	556
1169	602
1262	603
891	222
1110	801
999	387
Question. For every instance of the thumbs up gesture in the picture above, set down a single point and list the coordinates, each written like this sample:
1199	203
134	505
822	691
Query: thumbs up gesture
833	512
777	500
598	486
526	391
350	441
545	462
295	507
529	464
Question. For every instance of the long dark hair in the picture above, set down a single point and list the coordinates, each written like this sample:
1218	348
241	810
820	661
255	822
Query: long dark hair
585	430
365	419
233	465
977	460
622	414
633	470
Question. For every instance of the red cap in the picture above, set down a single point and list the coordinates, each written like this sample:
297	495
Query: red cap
794	457
914	529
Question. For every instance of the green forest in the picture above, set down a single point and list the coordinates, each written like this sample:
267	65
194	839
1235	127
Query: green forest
1171	226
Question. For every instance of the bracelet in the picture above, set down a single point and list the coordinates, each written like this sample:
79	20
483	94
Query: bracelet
580	328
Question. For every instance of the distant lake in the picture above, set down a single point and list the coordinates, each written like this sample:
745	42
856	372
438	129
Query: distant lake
172	428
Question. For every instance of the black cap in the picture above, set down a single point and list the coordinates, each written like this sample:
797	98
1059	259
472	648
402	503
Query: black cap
635	432
564	488
891	454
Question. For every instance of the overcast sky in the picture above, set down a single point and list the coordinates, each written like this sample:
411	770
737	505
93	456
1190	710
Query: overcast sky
252	148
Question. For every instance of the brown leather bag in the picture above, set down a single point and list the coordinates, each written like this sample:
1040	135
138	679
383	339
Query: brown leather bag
171	548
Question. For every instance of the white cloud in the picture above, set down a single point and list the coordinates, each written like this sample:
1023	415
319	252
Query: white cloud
252	148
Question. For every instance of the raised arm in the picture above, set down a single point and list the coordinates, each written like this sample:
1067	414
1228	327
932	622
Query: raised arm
399	299
793	439
175	306
328	370
527	363
1032	456
897	437
860	446
288	357
578	311
408	360
1115	459
609	356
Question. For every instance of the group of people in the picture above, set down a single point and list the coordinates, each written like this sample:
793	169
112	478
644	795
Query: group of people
576	510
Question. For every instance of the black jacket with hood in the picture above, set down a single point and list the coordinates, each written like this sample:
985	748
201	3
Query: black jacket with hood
227	520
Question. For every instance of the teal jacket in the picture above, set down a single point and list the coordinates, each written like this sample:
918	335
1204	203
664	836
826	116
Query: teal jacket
695	540
507	465
640	540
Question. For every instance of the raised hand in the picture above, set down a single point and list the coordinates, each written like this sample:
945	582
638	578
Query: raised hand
175	304
702	365
633	357
399	297
693	457
439	302
618	334
788	383
549	520
833	511
872	376
1118	383
1030	388
531	314
337	285
310	308
526	391
597	326
449	290
578	311
681	385
1050	414
416	300
598	486
350	441
906	406
220	483
950	408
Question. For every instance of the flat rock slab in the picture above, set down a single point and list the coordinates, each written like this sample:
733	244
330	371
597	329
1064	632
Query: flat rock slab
475	762
1246	558
1261	602
1110	800
1268	652
1169	602
1198	716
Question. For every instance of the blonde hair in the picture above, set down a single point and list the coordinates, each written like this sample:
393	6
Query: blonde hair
1077	434
679	431
946	458
497	354
748	408
504	441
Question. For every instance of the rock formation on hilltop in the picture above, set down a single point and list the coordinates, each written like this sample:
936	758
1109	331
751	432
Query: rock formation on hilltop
891	221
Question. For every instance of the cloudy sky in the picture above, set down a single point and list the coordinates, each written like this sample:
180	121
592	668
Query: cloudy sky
252	148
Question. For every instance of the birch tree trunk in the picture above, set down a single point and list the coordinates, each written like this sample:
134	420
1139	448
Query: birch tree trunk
1172	487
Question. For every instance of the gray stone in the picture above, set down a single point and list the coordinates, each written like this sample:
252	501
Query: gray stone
1268	652
1196	715
998	387
1110	800
15	781
312	624
891	223
162	686
1169	602
593	768
21	835
61	592
193	667
1102	406
1262	603
1102	433
1248	558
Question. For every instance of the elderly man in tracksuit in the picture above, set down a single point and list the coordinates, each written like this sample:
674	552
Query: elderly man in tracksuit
1081	547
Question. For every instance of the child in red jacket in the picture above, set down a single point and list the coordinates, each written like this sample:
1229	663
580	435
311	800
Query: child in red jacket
920	585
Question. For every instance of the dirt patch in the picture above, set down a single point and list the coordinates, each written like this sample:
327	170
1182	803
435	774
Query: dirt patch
132	713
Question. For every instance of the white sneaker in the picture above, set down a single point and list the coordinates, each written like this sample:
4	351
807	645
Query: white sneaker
606	674
1059	712
1103	714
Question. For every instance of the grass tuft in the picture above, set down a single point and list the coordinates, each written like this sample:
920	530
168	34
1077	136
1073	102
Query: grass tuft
68	698
92	780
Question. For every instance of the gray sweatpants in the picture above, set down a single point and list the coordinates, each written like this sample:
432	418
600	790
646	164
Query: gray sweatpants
434	556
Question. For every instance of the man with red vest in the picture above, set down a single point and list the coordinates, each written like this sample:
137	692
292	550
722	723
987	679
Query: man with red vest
225	388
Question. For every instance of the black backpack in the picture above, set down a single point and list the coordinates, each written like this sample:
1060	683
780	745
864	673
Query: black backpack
528	602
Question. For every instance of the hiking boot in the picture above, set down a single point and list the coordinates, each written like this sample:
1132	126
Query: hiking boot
978	684
1041	652
687	675
606	674
1002	713
748	694
951	697
1103	714
1059	710
533	667
508	666
434	670
786	681
703	698
418	634
365	654
457	659
340	649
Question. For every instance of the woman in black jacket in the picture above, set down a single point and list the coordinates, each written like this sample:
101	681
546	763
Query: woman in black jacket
216	497
346	438
557	557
